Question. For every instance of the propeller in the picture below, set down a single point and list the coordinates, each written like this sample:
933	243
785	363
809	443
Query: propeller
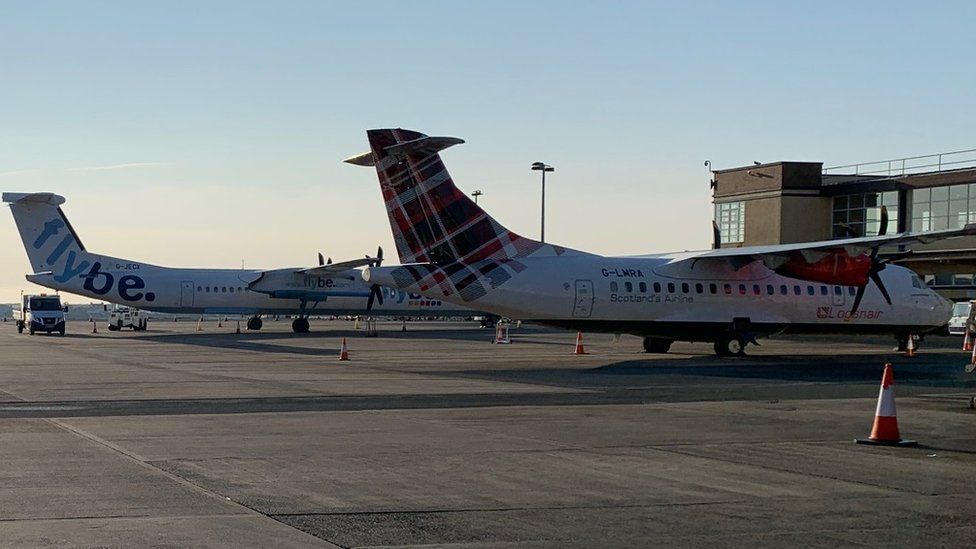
876	266
321	259
375	293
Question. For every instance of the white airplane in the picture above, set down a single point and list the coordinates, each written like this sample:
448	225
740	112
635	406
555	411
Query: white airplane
61	262
452	250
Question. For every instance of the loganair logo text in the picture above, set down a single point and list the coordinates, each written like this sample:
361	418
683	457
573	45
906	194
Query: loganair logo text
830	313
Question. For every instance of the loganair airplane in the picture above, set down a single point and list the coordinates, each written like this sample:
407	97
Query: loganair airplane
450	249
60	261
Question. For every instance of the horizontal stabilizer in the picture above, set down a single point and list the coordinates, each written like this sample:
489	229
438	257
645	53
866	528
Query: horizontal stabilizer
41	198
423	146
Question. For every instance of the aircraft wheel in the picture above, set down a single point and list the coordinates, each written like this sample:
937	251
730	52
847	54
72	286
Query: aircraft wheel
112	327
657	344
300	325
254	323
730	345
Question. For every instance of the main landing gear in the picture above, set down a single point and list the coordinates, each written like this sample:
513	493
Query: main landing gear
300	325
254	323
657	344
730	345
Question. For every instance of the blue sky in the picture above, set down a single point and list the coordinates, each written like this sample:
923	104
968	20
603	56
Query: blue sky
204	133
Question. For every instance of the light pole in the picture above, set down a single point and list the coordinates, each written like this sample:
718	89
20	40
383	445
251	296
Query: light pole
543	167
476	194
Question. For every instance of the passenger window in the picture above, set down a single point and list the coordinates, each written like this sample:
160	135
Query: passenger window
685	288
671	287
613	286
851	291
657	287
628	287
838	291
783	290
810	290
770	290
823	290
223	289
755	289
728	289
713	288
643	287
199	288
797	290
208	289
742	289
699	288
231	289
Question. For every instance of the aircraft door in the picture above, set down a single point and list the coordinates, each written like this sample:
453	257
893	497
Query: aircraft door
584	299
186	293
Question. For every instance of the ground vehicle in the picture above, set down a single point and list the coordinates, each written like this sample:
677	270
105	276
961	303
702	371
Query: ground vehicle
127	317
41	313
960	314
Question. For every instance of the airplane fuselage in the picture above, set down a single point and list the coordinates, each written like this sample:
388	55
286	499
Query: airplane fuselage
662	296
232	291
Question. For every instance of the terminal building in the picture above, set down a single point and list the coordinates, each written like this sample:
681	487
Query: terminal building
788	202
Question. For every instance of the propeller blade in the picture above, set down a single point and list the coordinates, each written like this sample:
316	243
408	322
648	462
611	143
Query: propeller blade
883	225
379	257
716	236
877	281
857	299
374	294
329	262
848	230
321	259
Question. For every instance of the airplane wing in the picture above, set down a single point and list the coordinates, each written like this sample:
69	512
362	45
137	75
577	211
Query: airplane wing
775	255
335	268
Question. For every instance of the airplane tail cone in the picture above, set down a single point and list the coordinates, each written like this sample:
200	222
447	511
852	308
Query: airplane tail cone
343	351
579	344
885	429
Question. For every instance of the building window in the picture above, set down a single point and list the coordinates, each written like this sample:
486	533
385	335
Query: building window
731	220
862	213
938	208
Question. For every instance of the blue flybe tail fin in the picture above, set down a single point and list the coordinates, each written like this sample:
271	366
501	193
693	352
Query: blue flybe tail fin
51	243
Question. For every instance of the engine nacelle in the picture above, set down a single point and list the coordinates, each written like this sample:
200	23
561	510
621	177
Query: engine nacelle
836	268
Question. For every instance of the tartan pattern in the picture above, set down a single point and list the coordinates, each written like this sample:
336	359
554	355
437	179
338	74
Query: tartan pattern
455	247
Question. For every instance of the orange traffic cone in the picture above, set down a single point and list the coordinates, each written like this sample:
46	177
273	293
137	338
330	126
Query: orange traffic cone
343	351
238	327
220	324
885	429
967	343
579	344
94	327
910	347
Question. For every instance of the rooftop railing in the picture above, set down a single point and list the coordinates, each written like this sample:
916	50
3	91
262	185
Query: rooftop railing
897	167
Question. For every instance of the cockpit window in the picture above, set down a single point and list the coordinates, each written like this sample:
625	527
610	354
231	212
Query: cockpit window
916	283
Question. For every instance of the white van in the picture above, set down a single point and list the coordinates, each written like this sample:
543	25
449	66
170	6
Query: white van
960	315
41	313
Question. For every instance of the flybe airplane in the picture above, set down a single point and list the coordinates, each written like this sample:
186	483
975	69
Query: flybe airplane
61	262
451	250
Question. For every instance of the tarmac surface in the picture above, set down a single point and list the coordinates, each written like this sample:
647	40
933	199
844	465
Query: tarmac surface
437	438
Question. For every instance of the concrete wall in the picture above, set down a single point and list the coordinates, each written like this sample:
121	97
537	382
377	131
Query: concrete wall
805	218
